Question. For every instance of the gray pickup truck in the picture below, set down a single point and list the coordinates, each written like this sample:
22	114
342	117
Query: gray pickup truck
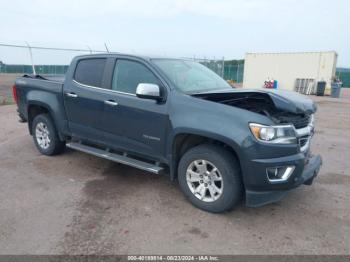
176	117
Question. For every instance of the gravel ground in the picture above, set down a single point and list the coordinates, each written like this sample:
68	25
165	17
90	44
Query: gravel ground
6	82
79	204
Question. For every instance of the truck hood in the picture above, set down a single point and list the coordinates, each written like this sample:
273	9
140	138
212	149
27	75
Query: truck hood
287	101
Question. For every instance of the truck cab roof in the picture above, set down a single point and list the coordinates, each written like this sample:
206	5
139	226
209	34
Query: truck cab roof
125	55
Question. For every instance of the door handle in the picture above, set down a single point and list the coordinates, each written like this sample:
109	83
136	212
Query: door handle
72	95
111	103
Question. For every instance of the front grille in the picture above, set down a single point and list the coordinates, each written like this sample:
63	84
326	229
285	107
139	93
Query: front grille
299	121
304	130
302	121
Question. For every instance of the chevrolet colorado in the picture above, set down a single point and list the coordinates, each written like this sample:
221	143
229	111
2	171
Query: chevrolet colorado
176	117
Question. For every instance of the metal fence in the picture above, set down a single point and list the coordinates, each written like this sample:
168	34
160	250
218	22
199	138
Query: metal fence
234	72
227	69
62	56
40	69
223	68
344	76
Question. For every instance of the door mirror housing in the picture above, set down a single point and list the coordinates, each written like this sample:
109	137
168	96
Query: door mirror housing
148	91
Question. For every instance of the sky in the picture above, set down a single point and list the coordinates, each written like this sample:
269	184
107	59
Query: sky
176	28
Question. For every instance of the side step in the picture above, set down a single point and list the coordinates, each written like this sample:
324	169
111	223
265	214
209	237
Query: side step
116	157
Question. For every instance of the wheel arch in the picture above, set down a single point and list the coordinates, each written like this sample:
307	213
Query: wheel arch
183	141
36	108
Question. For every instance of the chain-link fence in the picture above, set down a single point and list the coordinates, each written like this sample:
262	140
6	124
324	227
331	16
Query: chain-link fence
40	69
35	59
344	76
228	69
215	65
232	70
225	69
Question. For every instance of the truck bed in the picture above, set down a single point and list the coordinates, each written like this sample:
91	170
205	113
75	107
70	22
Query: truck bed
29	88
48	77
38	82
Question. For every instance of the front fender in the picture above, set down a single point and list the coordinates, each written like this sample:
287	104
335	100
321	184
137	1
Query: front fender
229	141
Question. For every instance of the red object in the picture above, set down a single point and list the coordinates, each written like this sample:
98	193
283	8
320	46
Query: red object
268	84
14	93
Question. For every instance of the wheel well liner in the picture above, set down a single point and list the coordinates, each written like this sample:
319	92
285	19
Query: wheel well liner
33	111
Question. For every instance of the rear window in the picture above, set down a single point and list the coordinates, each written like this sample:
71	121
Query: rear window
90	71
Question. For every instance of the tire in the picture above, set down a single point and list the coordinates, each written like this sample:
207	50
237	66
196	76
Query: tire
227	169
45	136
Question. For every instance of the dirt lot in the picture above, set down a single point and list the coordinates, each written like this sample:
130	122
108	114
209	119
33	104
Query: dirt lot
79	204
6	82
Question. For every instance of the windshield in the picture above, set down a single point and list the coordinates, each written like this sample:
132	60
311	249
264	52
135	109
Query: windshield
191	77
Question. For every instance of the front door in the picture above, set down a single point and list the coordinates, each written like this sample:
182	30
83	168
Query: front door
142	123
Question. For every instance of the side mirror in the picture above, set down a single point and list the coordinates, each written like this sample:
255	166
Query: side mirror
148	91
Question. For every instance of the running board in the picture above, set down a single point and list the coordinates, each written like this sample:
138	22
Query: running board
123	159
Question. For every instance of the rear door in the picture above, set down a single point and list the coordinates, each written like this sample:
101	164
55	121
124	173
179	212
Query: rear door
85	98
142	123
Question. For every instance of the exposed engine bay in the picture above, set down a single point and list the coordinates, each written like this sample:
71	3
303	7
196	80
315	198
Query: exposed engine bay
261	103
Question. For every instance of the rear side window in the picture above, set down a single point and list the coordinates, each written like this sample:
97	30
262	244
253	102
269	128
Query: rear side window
128	74
90	71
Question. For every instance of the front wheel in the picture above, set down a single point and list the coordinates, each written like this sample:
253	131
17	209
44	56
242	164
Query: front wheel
45	135
209	176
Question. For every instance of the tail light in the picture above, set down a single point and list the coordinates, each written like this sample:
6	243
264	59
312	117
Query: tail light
14	94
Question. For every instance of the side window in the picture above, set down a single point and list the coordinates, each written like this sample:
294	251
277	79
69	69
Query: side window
128	74
90	71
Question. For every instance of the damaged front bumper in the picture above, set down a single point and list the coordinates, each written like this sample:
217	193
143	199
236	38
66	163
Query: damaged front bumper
256	198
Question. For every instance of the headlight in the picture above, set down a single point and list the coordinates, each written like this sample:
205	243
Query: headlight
284	134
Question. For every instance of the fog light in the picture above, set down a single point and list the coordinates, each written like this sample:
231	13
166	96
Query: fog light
279	174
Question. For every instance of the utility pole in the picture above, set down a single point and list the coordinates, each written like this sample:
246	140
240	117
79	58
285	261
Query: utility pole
31	57
89	49
106	48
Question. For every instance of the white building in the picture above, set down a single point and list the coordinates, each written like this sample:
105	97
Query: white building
290	70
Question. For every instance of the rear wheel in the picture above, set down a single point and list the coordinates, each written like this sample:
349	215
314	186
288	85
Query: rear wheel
45	135
209	176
